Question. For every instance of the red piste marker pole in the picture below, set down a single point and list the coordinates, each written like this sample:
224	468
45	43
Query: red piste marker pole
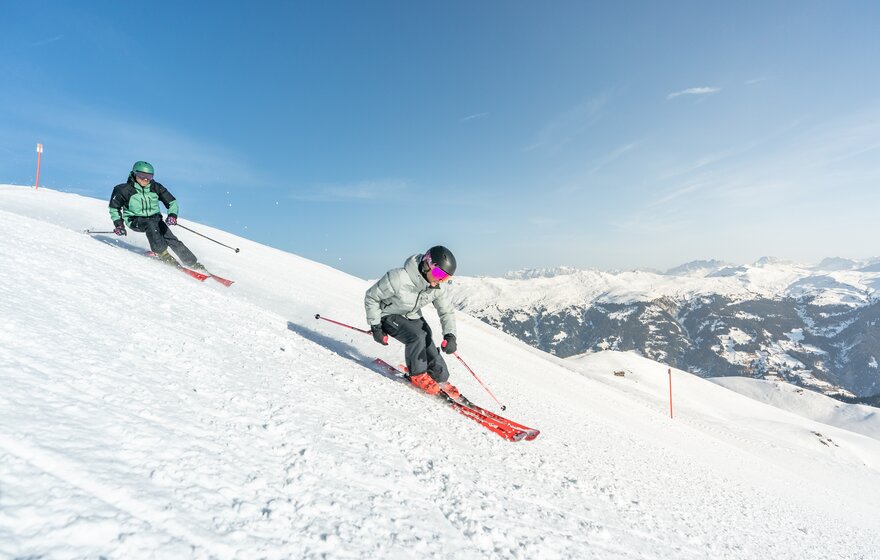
670	392
39	153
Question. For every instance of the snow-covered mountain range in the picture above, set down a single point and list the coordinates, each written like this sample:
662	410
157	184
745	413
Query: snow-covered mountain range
817	326
144	414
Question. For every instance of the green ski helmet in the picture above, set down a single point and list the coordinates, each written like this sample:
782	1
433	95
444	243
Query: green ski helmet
142	166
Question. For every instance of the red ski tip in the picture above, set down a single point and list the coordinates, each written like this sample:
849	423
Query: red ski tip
197	275
223	281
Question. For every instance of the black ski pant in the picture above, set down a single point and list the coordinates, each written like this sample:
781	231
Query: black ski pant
160	237
421	353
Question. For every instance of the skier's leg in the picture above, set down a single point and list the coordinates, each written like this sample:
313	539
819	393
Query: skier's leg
182	251
410	333
436	364
150	226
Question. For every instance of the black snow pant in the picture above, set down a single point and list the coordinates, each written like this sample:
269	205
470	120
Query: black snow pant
160	237
421	353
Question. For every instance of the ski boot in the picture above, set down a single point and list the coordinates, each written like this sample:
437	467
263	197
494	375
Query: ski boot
166	258
426	383
450	390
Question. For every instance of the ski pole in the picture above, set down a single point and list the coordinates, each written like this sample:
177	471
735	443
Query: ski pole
93	232
478	379
236	249
318	316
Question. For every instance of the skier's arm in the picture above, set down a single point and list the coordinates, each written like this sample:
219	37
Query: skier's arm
167	199
117	203
446	312
381	290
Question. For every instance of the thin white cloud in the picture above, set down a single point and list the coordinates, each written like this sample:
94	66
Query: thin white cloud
474	117
705	161
609	158
694	91
586	179
47	41
756	81
542	221
794	168
562	128
837	141
358	192
739	199
680	192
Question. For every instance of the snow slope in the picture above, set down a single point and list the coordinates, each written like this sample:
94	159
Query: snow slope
810	404
147	415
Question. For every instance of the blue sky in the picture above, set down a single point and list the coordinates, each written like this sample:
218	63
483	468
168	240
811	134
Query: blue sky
612	135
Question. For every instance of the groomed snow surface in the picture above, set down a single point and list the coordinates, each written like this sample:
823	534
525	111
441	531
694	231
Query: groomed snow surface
146	415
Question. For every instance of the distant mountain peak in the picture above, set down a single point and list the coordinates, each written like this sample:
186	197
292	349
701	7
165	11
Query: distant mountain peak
837	263
769	261
696	268
727	271
530	273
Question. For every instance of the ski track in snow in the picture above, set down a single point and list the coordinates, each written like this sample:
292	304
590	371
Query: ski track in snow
146	415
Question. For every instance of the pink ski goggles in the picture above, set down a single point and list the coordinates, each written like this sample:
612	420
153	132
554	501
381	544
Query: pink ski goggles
439	273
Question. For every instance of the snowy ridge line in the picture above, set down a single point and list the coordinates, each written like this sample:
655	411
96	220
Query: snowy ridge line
58	467
573	287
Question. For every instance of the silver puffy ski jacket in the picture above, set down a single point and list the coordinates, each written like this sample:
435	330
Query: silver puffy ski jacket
404	291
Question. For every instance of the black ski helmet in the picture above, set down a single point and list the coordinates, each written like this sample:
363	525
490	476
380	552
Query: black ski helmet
441	257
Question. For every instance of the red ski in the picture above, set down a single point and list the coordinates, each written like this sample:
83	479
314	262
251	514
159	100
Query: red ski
223	281
195	274
200	276
498	427
531	433
507	429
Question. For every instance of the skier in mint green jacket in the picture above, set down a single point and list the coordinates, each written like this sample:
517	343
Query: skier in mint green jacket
136	203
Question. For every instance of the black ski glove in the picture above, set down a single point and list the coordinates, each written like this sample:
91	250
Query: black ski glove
449	345
120	230
378	335
171	220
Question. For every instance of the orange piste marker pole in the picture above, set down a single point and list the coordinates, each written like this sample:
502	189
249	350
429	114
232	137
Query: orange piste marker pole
39	153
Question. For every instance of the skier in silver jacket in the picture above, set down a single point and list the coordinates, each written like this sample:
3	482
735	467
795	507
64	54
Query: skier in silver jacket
394	307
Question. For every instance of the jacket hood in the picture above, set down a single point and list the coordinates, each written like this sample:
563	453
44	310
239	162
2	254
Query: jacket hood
412	268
